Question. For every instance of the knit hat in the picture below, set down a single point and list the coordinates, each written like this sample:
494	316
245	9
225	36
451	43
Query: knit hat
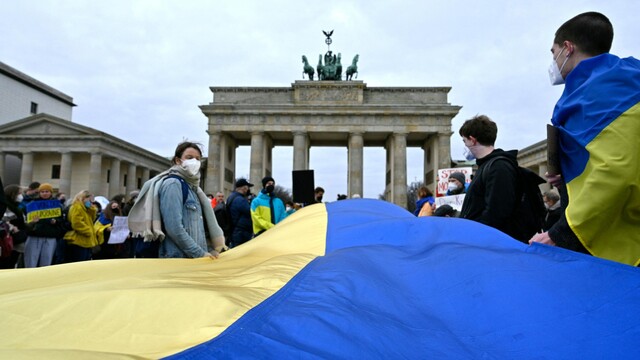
266	179
458	176
45	186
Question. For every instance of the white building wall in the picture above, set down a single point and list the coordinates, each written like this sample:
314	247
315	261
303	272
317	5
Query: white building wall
16	98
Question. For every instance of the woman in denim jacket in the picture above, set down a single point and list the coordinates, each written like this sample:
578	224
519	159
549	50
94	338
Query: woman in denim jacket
184	219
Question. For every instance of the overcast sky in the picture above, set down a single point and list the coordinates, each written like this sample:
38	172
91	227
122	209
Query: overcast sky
139	69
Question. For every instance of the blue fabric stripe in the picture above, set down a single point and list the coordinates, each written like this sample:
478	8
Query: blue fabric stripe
395	286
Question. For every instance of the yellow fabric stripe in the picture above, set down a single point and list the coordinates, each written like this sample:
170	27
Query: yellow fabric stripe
149	307
604	206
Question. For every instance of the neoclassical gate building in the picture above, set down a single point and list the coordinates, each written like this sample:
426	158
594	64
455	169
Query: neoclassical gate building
329	113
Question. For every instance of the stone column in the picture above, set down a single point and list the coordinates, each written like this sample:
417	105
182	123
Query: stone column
215	173
400	169
267	160
132	179
444	150
300	150
114	178
356	168
26	172
65	174
145	175
95	173
388	169
256	172
2	166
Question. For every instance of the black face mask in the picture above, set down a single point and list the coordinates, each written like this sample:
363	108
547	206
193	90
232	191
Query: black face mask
319	199
269	188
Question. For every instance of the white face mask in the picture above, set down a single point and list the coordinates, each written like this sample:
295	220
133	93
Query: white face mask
191	165
555	73
19	198
453	186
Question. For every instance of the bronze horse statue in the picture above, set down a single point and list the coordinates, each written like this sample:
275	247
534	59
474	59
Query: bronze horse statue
353	68
308	69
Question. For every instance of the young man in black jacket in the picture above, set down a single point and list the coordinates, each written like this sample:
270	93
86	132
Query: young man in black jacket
492	195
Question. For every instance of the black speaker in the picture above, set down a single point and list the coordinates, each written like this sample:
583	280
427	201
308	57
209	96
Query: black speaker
303	186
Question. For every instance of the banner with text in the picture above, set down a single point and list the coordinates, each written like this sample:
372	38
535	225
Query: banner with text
44	209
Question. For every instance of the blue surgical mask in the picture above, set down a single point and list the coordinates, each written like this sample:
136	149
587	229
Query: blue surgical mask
87	204
468	154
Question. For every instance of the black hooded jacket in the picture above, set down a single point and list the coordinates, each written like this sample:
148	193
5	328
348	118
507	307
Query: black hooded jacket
492	195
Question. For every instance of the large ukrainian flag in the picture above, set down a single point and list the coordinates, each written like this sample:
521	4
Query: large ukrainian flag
354	279
598	117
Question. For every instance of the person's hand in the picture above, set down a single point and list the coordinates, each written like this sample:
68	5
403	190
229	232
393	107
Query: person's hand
53	221
35	219
542	238
554	179
212	255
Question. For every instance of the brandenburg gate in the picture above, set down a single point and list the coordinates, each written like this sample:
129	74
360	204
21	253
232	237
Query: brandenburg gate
329	113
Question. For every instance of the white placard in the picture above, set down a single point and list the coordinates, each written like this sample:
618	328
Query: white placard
119	230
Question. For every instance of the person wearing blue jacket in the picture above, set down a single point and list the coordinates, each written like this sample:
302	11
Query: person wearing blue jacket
266	209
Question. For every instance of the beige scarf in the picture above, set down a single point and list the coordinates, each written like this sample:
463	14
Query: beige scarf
145	219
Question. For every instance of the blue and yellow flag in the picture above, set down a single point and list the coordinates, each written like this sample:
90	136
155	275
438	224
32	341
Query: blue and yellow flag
44	209
356	279
598	117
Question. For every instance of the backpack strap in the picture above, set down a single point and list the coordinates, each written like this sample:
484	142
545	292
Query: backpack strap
185	187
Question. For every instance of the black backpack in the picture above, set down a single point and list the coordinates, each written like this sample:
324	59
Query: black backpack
530	211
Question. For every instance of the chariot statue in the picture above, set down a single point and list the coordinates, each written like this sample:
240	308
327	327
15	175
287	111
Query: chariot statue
329	66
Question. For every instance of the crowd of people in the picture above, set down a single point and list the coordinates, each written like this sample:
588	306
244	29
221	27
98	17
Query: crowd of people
172	217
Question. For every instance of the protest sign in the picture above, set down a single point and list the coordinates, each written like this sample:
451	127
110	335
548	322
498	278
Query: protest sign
44	209
119	230
454	200
443	178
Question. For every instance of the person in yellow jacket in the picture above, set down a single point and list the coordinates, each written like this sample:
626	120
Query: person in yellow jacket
82	238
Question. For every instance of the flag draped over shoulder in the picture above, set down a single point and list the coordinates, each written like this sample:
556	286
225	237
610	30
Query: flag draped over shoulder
351	279
598	117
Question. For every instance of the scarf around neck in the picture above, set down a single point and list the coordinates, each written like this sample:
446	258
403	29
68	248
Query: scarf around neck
145	219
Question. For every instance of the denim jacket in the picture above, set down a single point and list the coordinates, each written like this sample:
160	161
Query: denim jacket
183	225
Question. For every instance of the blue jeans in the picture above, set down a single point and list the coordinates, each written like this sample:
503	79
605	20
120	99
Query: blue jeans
38	251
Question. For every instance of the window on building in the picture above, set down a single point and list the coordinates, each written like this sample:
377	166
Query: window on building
125	179
55	171
34	108
108	176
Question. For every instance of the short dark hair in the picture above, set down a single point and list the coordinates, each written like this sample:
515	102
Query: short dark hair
184	146
592	33
318	189
481	128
